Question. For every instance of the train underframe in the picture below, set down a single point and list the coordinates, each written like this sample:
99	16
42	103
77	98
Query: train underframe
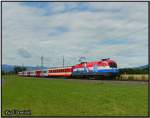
92	76
97	76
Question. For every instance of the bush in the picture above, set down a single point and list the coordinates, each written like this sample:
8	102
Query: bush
143	77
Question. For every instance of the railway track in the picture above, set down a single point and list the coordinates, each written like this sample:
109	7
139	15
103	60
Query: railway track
104	81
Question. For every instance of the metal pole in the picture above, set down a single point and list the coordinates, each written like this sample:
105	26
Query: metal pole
42	59
63	61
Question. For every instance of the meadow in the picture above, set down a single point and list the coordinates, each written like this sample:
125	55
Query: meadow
63	97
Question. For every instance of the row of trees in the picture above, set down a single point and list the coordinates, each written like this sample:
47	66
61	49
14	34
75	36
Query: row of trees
15	70
133	71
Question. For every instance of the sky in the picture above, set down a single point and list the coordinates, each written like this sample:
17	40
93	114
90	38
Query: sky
94	30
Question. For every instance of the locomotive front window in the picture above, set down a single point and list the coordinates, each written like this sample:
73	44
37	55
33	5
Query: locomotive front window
113	65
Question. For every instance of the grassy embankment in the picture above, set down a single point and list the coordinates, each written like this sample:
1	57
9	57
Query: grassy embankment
62	97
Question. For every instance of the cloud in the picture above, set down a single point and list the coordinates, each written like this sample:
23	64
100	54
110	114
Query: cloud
23	53
58	31
94	30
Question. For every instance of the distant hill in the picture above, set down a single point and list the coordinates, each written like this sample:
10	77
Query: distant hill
9	68
135	70
143	67
139	67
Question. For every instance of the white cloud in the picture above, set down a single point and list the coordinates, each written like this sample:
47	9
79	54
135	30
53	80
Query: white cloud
36	31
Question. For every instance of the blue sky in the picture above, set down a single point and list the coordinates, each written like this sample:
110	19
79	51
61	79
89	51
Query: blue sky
98	30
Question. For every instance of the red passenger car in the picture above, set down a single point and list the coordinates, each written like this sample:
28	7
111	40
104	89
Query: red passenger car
38	73
64	72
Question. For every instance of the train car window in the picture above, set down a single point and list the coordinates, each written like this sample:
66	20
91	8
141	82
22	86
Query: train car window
113	65
44	71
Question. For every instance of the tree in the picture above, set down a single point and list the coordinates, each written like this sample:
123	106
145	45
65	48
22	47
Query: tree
19	69
133	71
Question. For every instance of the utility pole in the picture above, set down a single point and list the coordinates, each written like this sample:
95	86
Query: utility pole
63	61
42	59
22	67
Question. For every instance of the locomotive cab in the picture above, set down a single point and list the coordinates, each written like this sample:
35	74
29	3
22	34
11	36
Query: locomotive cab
112	65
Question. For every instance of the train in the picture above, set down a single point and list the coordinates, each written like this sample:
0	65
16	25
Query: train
102	69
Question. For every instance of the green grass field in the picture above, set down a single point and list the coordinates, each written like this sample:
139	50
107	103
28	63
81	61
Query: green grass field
62	97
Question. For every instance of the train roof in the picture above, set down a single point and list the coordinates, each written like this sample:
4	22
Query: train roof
95	62
107	59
